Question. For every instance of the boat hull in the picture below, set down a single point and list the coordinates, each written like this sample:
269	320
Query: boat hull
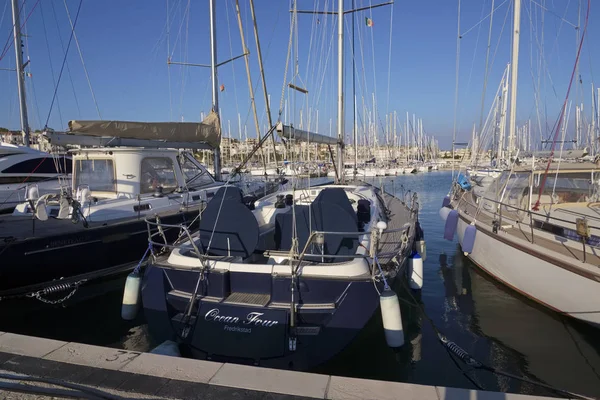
32	264
522	267
330	313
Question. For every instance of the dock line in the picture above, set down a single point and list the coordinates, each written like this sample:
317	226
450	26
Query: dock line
454	349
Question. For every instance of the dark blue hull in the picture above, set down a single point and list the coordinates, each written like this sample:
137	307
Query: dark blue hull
38	263
244	317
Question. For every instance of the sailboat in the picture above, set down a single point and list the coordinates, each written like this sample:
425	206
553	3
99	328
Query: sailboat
289	280
536	228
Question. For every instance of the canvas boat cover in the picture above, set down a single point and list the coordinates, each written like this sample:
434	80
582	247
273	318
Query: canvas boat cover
207	131
289	132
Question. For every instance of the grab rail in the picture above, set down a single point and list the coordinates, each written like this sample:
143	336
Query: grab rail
546	219
190	237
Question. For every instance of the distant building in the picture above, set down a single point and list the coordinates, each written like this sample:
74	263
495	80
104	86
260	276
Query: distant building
13	137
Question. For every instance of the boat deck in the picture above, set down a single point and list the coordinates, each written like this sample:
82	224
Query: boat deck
522	231
399	216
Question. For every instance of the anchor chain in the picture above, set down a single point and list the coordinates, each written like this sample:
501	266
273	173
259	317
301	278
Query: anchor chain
61	287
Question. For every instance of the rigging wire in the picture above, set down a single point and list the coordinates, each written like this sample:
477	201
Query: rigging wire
33	98
184	49
536	88
326	65
486	75
51	65
9	43
3	12
583	34
63	64
235	94
456	351
482	20
375	110
563	19
87	75
287	64
62	45
389	80
473	59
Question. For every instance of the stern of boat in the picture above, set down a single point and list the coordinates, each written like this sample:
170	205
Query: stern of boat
245	317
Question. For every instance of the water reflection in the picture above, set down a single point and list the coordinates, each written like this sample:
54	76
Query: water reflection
557	350
369	356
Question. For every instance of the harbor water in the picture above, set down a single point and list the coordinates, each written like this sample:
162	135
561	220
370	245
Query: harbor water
493	324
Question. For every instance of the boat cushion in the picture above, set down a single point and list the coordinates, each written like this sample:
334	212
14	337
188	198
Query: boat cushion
326	217
227	226
363	212
337	196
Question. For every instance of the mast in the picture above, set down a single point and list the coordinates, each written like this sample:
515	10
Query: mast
20	73
215	83
355	140
514	78
502	129
340	125
354	126
250	88
262	76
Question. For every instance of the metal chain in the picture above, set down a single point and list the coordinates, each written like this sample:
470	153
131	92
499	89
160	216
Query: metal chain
55	289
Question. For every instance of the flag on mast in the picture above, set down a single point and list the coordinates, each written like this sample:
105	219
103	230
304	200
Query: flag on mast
369	22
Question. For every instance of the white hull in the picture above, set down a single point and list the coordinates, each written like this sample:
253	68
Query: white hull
547	283
261	172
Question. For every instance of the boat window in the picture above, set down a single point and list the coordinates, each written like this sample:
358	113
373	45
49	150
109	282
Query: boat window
194	174
158	172
98	174
41	165
512	189
573	187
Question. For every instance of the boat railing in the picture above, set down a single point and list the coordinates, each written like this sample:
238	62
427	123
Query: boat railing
317	237
408	198
580	229
156	237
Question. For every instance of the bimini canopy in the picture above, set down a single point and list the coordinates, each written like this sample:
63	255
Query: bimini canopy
289	132
205	134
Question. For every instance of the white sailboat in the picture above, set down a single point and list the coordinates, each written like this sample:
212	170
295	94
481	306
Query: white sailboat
537	227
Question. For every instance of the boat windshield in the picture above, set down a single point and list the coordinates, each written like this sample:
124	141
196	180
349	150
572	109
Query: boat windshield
194	173
566	187
512	190
97	174
509	189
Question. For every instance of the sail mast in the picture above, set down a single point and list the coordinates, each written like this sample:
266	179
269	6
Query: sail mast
20	72
514	78
215	83
354	125
340	125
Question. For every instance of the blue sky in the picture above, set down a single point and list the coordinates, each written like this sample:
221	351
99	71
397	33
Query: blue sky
125	45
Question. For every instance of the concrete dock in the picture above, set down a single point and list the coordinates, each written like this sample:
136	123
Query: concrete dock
128	374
